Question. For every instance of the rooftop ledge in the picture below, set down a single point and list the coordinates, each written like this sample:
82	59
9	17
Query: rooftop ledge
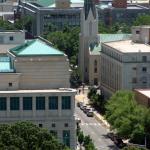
59	90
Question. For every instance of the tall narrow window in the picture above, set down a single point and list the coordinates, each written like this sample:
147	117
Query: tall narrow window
40	103
27	103
66	137
90	28
53	102
14	103
3	104
66	102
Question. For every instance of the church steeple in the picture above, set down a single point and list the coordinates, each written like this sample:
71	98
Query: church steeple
89	4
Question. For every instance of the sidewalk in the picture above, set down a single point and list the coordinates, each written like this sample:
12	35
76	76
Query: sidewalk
83	98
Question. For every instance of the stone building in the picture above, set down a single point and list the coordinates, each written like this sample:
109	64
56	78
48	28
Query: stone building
35	86
68	12
90	44
125	63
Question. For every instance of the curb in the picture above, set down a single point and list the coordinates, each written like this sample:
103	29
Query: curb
102	121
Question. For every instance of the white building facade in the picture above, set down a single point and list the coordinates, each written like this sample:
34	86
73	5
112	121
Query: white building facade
125	64
35	87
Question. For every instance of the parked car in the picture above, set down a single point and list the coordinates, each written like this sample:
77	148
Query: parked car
79	104
111	135
88	108
83	107
118	141
90	113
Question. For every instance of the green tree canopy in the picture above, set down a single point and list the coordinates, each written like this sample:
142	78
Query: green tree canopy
142	20
27	136
130	120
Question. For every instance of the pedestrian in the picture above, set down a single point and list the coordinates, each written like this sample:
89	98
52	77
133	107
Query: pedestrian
79	91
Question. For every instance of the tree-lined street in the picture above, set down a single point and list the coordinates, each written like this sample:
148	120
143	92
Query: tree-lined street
98	133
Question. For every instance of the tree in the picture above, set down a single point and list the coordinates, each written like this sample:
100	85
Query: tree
27	136
66	41
81	137
24	23
127	117
142	20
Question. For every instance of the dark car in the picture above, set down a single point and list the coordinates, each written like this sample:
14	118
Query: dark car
118	141
79	104
90	113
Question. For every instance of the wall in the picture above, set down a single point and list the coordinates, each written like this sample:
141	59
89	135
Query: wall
43	72
45	117
142	99
18	37
6	78
92	73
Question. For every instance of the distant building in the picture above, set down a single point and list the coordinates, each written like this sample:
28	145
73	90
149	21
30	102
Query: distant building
142	96
34	86
68	12
125	63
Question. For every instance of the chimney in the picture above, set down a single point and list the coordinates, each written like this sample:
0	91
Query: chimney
119	3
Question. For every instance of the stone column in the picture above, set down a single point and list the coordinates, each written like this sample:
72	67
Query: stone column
8	106
34	106
21	107
59	106
46	106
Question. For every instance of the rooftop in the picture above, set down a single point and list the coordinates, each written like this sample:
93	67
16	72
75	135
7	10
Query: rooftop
5	47
127	46
145	92
35	47
51	3
109	38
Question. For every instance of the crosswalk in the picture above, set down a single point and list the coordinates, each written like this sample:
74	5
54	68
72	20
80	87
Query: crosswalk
90	124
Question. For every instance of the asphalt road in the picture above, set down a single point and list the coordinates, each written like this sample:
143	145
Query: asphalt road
90	126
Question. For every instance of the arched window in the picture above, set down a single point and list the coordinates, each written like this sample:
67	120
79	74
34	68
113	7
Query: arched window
95	63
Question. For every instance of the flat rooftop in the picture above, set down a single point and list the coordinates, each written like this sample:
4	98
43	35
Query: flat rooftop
127	46
145	92
5	47
61	90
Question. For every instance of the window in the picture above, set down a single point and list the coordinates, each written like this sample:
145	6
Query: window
95	70
95	81
66	102
3	103
40	103
144	69
53	133
53	125
10	84
11	38
27	103
66	124
134	80
40	125
14	103
144	58
95	63
66	137
134	68
53	102
137	32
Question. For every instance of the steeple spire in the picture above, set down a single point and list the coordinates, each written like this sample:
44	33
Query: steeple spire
89	4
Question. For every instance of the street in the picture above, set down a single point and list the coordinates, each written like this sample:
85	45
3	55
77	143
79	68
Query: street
90	126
